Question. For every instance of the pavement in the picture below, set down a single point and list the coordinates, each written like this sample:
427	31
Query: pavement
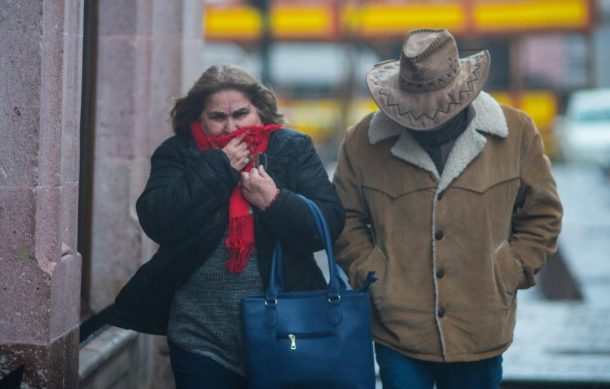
569	341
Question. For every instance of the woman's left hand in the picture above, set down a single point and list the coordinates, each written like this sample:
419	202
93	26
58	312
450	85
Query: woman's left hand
258	187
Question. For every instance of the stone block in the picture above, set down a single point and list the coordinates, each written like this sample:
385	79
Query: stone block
48	228
20	89
165	79
73	17
71	108
24	301
21	16
143	127
53	17
51	94
120	17
119	145
192	67
191	20
192	42
164	90
30	226
116	237
69	216
70	156
65	295
115	109
144	19
47	365
167	19
17	224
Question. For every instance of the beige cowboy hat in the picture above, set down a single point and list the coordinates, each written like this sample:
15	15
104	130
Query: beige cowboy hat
430	84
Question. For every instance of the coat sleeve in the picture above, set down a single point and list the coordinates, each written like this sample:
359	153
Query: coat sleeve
288	217
537	220
184	189
355	248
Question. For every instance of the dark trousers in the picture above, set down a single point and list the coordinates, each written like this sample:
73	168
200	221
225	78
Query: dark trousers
398	372
192	371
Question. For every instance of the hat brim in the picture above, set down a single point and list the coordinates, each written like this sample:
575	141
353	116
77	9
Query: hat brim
427	110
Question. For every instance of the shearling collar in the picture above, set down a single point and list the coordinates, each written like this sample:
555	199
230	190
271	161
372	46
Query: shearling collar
488	118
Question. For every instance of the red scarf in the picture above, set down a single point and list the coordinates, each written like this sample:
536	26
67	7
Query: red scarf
240	238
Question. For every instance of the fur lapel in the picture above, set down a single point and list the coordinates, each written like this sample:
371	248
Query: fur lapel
488	118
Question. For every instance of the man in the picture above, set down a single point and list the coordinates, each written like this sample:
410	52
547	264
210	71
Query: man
450	199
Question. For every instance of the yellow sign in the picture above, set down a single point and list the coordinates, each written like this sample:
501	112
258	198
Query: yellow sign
334	20
302	21
288	21
491	16
378	19
231	23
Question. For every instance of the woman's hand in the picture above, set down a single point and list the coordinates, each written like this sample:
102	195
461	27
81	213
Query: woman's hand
258	188
238	153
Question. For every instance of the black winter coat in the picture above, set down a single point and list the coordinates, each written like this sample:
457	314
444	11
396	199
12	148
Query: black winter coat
184	208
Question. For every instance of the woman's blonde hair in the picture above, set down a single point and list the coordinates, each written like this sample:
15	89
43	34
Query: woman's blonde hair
215	79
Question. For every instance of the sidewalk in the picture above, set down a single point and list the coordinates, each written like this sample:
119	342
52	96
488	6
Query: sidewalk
570	341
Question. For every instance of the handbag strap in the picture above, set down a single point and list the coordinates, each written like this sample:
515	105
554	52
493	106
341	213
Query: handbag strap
276	283
322	225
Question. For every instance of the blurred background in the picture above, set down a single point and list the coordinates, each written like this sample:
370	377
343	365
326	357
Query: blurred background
315	55
86	90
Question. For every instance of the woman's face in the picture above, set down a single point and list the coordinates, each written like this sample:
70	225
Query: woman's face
226	111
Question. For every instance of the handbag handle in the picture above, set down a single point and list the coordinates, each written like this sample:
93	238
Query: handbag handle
334	283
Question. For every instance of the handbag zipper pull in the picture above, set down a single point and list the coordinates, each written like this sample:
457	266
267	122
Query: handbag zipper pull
293	341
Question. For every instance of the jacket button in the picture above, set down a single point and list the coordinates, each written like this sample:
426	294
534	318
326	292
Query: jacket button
440	273
441	312
438	235
439	196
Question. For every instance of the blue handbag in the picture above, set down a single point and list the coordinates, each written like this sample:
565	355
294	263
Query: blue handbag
311	339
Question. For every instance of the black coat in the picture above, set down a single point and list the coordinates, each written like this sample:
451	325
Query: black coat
184	208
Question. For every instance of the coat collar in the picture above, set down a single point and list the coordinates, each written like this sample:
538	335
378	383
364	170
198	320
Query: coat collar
488	118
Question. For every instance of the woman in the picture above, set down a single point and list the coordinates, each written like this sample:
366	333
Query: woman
221	191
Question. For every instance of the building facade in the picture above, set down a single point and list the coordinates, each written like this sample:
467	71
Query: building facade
86	93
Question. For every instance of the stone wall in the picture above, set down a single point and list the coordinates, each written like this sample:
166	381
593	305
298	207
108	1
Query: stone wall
40	270
140	61
144	50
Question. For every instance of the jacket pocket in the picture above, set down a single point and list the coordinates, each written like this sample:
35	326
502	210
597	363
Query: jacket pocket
376	262
390	206
396	188
481	181
508	273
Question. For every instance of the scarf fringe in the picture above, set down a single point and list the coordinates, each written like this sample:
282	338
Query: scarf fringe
240	247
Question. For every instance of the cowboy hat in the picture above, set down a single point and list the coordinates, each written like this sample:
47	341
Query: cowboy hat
430	84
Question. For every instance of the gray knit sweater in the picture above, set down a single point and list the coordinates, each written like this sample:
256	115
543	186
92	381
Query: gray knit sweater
205	314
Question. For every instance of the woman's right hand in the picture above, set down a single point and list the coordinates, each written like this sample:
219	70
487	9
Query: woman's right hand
238	153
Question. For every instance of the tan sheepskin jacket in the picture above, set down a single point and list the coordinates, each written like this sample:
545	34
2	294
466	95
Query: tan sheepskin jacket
450	252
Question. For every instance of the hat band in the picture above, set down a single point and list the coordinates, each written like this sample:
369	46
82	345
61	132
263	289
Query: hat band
432	85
